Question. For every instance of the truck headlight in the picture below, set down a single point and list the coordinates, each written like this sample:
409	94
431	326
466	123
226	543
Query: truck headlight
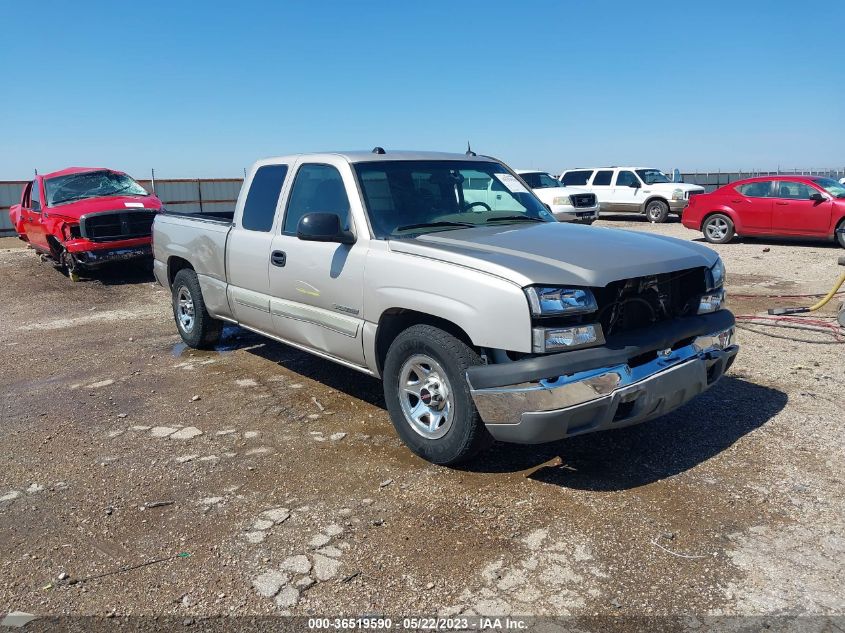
716	275
545	301
711	302
561	200
565	338
678	194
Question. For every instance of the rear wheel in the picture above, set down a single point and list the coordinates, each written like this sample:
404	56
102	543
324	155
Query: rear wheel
428	397
718	229
657	211
196	326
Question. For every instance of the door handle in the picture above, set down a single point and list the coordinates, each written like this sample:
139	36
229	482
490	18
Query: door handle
278	258
782	203
737	200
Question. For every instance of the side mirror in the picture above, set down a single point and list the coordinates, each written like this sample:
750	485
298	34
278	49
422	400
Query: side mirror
817	197
634	184
323	227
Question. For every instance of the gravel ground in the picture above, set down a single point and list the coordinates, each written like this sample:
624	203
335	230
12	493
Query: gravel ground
141	477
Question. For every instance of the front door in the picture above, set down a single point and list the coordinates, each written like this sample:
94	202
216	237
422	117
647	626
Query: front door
31	214
627	191
248	249
794	213
317	288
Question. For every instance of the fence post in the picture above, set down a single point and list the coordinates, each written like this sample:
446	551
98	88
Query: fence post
153	180
199	193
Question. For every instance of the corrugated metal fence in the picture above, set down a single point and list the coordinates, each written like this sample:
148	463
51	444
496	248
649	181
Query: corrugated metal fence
712	180
194	195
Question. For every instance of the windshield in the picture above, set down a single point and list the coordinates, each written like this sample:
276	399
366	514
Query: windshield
651	176
540	180
406	198
91	184
837	190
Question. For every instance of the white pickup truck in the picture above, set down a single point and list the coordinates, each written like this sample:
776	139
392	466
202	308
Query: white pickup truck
482	323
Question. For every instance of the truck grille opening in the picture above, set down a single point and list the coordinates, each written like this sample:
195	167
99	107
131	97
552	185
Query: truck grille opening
632	304
581	200
117	225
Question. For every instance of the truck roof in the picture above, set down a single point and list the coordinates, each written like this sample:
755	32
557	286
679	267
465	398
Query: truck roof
363	156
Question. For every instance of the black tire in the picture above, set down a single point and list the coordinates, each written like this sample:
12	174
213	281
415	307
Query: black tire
203	331
840	234
466	435
718	229
656	211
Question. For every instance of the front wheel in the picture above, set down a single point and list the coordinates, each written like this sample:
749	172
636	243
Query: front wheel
657	211
840	234
428	397
196	326
718	229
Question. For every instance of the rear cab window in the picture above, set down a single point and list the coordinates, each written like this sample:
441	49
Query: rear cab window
262	198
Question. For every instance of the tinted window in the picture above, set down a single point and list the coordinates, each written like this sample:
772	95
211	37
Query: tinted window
760	189
576	177
540	180
260	206
317	189
793	190
602	178
626	179
35	197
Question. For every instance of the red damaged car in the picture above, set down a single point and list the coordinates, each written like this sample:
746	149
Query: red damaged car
782	206
84	217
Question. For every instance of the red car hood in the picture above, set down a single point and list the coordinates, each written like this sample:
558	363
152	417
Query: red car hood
78	208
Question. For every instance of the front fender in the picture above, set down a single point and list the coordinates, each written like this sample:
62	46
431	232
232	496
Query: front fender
492	311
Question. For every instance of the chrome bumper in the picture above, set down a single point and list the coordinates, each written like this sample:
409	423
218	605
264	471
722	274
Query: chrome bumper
607	397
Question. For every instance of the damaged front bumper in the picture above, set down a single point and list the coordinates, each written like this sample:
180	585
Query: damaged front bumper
88	254
598	389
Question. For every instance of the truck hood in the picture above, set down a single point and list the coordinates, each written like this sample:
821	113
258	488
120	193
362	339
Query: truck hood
671	186
558	253
76	209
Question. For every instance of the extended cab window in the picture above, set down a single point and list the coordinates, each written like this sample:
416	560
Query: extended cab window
602	178
317	189
760	189
34	197
575	178
540	180
626	179
260	205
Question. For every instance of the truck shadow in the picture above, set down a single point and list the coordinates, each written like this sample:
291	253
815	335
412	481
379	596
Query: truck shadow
640	455
780	241
121	274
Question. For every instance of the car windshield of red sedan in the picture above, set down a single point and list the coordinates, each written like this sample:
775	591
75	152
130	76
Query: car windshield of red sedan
651	176
837	190
91	184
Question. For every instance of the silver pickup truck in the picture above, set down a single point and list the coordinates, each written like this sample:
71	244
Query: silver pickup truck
482	323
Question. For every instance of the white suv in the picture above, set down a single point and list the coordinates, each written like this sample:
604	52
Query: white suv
633	190
568	204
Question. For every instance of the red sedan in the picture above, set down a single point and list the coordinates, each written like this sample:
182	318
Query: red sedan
782	206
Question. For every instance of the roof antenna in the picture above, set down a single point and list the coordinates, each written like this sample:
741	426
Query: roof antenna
378	150
469	151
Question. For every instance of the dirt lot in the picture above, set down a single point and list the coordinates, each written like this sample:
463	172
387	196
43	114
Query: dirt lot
256	479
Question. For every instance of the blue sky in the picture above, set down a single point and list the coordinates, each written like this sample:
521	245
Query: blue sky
204	89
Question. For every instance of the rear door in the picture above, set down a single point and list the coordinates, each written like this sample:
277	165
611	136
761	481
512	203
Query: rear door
601	186
794	213
248	248
317	288
752	202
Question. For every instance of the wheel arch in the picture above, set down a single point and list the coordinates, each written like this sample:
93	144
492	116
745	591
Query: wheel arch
174	265
721	211
393	321
651	199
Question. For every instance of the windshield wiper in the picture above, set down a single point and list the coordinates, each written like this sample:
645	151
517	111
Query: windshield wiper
426	225
516	218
